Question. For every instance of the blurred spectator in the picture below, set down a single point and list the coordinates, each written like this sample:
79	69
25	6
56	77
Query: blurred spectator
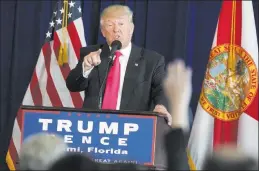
39	151
228	157
75	161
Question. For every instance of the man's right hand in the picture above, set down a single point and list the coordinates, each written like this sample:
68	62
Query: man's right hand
92	59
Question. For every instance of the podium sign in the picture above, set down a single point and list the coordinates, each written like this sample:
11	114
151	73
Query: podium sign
106	137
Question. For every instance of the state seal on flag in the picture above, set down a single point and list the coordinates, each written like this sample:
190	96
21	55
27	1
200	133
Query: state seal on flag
230	83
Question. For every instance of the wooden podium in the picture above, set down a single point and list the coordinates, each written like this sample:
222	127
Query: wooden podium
106	136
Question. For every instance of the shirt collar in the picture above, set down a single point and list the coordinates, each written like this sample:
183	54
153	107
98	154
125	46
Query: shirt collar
126	50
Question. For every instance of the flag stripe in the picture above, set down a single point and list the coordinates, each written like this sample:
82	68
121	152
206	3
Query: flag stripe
78	23
248	122
226	132
28	98
42	78
238	23
251	110
248	136
224	23
74	58
19	118
17	135
59	83
202	125
74	52
250	44
13	152
230	129
65	69
249	36
51	90
56	44
35	89
74	39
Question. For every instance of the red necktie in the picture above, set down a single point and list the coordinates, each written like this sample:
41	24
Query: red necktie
112	84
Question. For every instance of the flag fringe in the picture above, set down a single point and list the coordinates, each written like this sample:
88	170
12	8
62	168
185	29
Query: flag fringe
63	56
190	161
9	161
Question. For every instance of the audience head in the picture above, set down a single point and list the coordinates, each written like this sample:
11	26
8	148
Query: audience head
123	166
228	157
41	150
117	24
75	161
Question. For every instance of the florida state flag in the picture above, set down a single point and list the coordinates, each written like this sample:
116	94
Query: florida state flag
228	106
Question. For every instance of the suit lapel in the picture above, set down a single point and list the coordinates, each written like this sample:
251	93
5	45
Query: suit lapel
104	62
131	79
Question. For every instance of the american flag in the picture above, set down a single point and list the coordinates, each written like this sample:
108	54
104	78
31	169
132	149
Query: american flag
59	54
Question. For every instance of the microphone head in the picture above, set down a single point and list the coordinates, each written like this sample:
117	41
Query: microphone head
116	44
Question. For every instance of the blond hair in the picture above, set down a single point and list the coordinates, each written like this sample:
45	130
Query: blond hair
115	11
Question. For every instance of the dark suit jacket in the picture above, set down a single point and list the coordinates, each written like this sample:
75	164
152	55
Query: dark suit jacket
142	88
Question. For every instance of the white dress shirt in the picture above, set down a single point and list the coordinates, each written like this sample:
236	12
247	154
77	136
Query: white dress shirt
124	58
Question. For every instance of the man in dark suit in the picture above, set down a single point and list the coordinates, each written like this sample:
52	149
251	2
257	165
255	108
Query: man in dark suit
176	140
140	73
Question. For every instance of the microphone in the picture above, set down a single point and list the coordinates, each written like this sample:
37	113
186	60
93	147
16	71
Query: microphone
116	45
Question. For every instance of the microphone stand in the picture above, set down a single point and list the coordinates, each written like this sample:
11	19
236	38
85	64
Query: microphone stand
110	62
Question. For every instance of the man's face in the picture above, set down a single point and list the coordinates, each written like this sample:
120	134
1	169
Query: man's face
117	28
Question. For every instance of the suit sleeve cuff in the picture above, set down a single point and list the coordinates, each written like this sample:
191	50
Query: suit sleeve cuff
86	73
